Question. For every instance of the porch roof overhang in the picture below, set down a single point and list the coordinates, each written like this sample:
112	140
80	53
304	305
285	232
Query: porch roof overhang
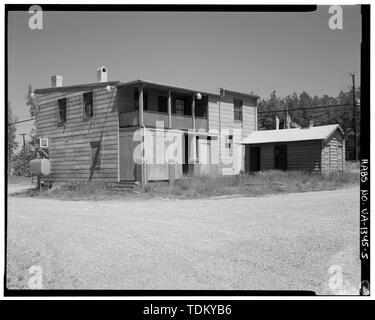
119	84
166	87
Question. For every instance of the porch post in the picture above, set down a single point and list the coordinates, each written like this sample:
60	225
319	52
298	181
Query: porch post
140	104
193	138
141	124
193	111
169	109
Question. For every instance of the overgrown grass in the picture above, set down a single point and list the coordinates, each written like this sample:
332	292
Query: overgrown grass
262	183
268	182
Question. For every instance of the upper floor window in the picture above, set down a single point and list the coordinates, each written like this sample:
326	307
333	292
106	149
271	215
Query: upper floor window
201	107
136	99
62	111
237	110
180	106
87	100
162	104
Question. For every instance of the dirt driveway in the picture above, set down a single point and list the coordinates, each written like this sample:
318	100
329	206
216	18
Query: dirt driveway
274	242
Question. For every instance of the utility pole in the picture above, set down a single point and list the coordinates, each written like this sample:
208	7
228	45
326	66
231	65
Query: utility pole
354	118
24	151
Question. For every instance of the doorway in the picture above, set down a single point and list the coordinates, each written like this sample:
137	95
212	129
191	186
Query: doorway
252	159
281	157
185	164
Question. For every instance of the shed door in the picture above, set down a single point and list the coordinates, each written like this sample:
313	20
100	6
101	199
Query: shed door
281	157
252	159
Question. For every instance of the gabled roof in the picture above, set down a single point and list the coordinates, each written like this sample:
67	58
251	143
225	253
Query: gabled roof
289	135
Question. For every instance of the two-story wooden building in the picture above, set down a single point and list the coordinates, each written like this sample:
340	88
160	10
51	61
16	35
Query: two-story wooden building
139	130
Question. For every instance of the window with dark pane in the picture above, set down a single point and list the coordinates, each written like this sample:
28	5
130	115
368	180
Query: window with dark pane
180	106
88	102
62	110
163	104
201	107
136	99
237	109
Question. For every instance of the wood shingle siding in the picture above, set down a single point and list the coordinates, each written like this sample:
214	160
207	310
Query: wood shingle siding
69	145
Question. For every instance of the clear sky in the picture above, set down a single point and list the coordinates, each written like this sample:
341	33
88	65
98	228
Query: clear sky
258	52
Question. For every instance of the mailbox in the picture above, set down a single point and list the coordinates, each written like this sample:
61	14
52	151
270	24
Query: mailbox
40	167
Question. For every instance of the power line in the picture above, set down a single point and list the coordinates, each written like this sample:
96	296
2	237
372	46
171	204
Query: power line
309	108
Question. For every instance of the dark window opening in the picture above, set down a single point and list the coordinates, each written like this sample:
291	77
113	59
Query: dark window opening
145	100
237	109
201	107
87	99
62	110
163	104
95	155
136	99
281	157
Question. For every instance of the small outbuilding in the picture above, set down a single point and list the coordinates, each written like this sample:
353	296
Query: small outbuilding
320	148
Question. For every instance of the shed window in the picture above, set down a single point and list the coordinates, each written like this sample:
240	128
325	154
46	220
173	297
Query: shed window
237	109
87	100
95	155
62	111
281	157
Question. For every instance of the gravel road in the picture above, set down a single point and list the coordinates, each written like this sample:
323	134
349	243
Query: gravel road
274	242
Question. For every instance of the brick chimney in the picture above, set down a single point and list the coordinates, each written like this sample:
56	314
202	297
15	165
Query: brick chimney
311	123
56	81
101	74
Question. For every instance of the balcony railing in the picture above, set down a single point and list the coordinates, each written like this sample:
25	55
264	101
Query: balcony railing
130	119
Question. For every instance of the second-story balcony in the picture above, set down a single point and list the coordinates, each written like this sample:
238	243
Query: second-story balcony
155	106
161	119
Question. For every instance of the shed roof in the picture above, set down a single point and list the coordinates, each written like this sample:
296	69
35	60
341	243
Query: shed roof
289	135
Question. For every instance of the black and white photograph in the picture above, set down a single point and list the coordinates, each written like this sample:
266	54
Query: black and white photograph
187	150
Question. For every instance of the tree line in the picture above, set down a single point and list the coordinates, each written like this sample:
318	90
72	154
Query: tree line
342	113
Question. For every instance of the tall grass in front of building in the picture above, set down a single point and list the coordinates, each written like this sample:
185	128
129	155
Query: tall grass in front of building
260	183
257	184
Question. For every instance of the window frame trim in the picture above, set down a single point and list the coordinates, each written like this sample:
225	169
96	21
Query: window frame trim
61	123
85	116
